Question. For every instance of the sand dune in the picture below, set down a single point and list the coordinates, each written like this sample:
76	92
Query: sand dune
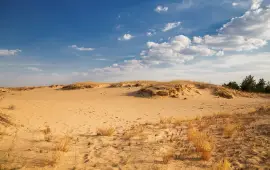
45	116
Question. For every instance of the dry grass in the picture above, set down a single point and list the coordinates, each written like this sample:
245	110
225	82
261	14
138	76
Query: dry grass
167	156
4	119
223	165
11	107
229	130
47	133
63	144
202	142
166	120
105	131
223	92
56	157
77	86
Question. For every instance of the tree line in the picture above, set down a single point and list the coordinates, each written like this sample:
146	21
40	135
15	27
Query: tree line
249	84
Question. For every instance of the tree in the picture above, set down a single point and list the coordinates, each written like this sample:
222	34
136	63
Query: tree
232	85
248	84
267	87
260	86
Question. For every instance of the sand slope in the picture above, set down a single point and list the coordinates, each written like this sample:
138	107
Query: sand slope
76	113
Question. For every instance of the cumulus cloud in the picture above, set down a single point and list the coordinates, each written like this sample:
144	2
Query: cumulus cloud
170	26
5	52
34	69
256	4
81	48
250	31
161	8
151	32
126	37
247	32
178	50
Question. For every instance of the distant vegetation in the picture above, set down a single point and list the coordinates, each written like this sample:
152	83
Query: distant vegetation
249	84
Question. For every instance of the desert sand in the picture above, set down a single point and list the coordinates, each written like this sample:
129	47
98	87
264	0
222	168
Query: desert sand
52	128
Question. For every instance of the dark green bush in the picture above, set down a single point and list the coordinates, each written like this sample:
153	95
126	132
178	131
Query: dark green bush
232	85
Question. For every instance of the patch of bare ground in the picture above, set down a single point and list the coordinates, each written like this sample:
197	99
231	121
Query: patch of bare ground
220	141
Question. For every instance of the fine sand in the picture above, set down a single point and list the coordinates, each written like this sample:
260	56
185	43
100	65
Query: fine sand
41	117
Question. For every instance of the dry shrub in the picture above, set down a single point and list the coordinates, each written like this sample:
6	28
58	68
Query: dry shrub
79	86
166	120
105	131
223	92
63	144
229	130
223	165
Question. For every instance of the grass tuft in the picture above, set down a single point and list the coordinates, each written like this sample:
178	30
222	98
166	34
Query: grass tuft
223	165
229	130
105	131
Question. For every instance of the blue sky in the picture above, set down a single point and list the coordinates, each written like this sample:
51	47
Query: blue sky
46	42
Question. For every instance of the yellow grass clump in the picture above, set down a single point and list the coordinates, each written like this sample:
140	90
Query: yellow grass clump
105	131
229	130
223	165
201	142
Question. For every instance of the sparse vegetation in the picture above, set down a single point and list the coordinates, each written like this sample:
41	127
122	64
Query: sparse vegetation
77	86
47	133
63	144
166	120
222	92
105	131
223	165
11	107
229	130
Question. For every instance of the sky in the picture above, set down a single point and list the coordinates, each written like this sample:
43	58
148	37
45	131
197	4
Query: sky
66	41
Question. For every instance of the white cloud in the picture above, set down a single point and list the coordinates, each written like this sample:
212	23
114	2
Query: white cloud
178	50
197	40
219	70
170	26
248	32
256	4
81	48
79	73
160	9
34	69
4	52
125	37
235	4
